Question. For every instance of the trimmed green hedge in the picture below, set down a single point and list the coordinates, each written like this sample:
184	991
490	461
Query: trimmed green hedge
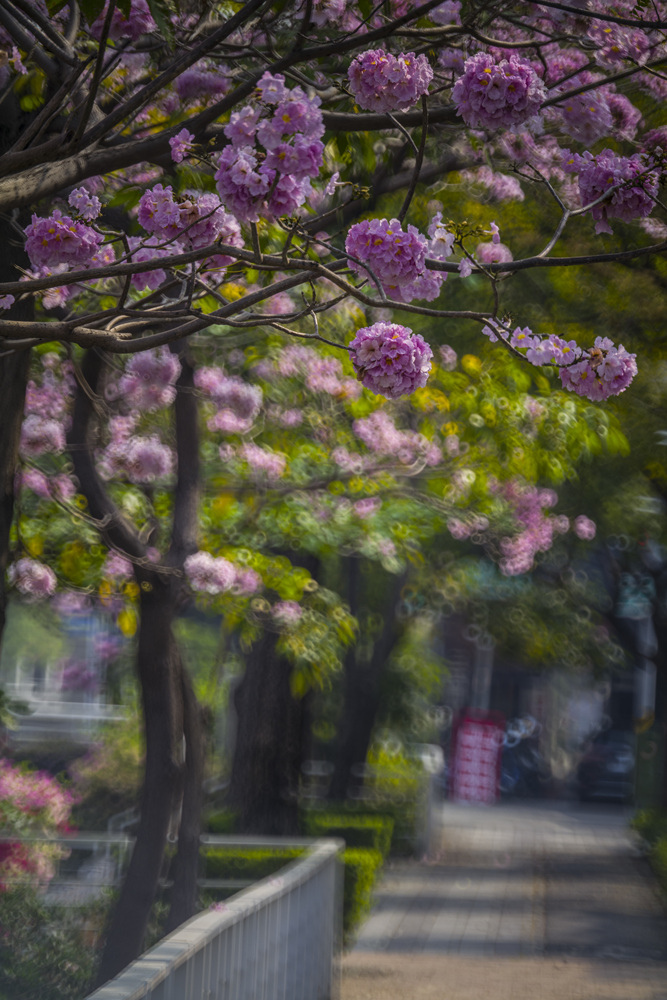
357	830
221	822
651	824
362	867
252	863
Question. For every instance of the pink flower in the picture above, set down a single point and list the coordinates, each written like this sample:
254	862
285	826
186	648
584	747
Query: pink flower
85	204
390	360
287	612
32	578
208	574
633	186
605	371
57	239
148	381
493	95
181	145
584	528
381	81
395	257
6	301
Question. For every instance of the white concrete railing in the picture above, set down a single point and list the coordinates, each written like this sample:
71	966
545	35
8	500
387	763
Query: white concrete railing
274	941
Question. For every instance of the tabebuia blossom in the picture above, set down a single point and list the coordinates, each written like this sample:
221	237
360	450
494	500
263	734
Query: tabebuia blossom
138	23
263	462
275	150
32	578
494	95
287	612
149	249
395	257
85	204
208	574
604	371
58	239
599	372
383	82
41	436
148	380
139	459
631	183
584	528
193	219
390	360
239	403
180	145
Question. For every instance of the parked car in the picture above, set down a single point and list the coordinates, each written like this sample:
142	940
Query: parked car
607	767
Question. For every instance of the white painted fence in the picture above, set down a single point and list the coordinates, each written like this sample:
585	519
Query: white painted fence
274	941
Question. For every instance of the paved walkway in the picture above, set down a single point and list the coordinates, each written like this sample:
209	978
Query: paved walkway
517	901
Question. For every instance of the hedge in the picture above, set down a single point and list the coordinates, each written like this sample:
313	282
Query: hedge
362	867
252	863
357	830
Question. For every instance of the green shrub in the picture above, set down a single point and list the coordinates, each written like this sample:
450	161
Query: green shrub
222	821
356	829
251	863
658	860
362	867
651	824
43	951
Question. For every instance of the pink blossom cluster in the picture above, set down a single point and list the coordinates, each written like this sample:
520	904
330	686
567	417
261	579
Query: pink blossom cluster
263	462
320	373
201	82
631	183
604	371
501	187
327	11
147	383
448	12
188	221
37	794
599	372
287	612
380	81
41	436
32	578
395	257
59	487
238	402
390	360
584	528
58	239
180	145
76	676
149	249
139	459
494	95
275	150
381	435
215	575
139	22
537	529
117	567
85	204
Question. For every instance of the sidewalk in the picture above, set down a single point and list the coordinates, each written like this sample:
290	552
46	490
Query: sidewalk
519	901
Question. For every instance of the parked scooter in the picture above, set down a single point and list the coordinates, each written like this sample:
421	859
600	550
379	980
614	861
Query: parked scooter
524	773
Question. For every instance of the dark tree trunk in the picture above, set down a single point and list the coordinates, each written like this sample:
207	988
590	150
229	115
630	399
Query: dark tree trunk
361	694
160	671
269	744
186	864
13	367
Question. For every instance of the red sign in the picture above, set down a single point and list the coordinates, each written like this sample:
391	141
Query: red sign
476	765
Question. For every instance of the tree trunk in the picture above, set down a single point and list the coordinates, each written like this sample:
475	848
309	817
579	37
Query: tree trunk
160	672
186	864
361	697
269	744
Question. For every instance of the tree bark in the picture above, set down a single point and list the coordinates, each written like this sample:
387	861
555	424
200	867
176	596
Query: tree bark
361	697
186	864
159	668
269	744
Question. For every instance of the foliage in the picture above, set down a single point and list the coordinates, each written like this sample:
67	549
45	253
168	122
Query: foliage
357	830
362	868
32	804
252	863
43	951
651	825
107	780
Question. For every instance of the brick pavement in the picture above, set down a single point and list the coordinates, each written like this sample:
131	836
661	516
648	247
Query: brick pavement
516	901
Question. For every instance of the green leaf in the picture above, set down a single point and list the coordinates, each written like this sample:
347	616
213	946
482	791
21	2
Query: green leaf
91	9
53	6
161	13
